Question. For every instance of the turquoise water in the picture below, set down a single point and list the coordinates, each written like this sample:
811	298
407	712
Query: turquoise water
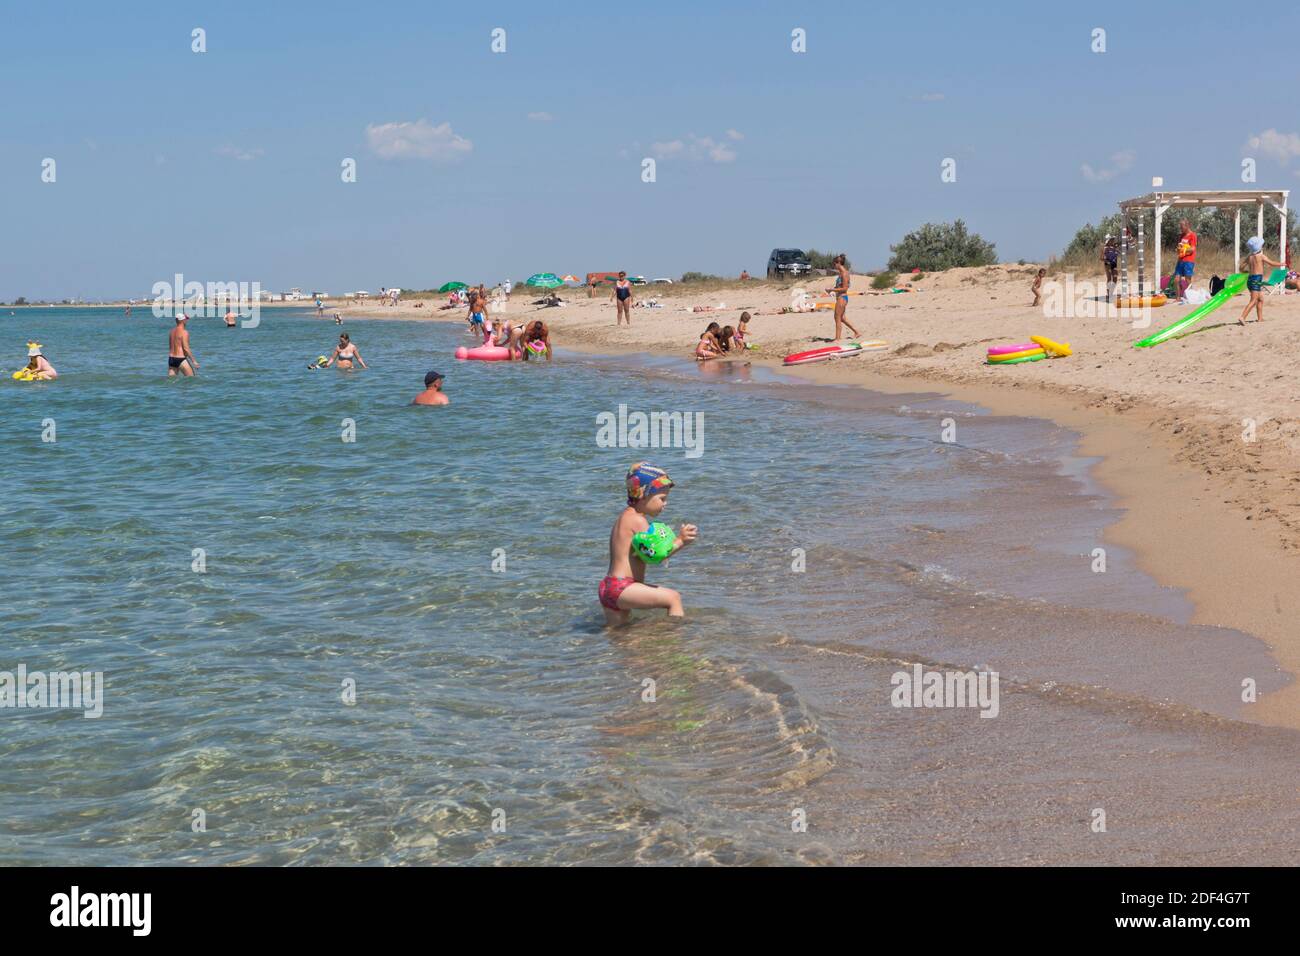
496	696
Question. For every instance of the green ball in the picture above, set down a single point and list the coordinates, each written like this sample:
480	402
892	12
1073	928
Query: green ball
655	543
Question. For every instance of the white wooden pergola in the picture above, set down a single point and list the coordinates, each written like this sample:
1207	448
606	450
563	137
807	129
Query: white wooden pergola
1236	199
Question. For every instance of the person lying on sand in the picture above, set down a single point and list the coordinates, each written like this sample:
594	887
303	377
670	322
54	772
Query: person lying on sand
432	394
1255	264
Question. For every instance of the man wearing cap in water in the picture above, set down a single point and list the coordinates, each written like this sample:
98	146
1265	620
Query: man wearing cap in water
432	394
179	355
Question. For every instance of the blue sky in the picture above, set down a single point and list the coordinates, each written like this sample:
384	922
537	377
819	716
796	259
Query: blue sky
225	165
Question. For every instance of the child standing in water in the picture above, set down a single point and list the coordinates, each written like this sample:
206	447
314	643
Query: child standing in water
624	588
1255	264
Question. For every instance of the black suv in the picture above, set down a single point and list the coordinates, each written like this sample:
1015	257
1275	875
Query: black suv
787	262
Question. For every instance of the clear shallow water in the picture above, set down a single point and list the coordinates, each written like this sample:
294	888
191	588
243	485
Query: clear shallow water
482	691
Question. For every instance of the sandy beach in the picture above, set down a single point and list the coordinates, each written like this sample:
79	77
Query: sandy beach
1205	509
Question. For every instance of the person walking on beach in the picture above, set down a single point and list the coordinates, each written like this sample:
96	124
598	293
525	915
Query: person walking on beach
841	293
179	356
1037	287
1186	258
432	394
623	298
1255	264
1110	262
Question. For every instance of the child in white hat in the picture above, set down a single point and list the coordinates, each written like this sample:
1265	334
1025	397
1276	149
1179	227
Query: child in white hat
1255	264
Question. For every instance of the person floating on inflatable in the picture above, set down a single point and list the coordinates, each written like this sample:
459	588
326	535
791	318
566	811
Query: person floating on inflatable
637	539
38	367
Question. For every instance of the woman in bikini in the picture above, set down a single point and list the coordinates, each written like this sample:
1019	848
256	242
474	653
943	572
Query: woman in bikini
841	293
345	353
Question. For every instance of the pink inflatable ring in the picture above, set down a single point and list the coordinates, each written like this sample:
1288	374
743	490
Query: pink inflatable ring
1006	349
487	353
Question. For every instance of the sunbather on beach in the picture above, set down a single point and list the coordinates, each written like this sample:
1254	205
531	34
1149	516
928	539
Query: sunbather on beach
1255	264
841	293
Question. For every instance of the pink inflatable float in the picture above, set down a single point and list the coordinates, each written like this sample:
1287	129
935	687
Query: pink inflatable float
484	353
1008	349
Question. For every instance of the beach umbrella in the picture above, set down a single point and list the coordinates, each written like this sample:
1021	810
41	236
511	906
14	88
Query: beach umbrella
543	280
569	279
453	286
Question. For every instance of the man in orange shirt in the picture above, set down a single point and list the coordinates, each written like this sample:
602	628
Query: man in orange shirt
1186	258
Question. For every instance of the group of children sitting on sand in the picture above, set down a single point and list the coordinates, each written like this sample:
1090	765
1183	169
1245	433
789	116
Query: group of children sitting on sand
717	341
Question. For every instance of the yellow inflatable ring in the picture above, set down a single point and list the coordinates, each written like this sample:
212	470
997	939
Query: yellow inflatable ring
1060	349
1008	356
1140	302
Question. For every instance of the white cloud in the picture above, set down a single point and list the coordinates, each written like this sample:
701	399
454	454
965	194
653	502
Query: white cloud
237	152
541	117
930	97
1283	147
697	148
736	135
418	140
1119	162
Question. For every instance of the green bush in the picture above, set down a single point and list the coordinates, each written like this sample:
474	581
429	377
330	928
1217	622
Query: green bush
885	280
700	277
938	246
825	260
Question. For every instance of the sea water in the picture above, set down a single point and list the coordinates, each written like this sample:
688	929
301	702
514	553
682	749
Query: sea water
333	628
